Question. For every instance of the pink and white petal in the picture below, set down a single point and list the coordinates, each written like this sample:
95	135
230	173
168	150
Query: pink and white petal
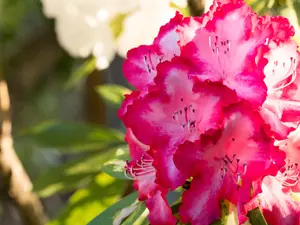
200	204
282	29
187	29
221	55
140	65
160	212
129	99
151	121
167	38
282	63
189	159
278	129
146	186
136	148
180	89
286	110
228	96
172	112
168	176
278	207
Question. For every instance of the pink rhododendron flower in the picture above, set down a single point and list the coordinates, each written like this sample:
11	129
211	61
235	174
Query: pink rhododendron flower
142	171
276	202
277	205
216	106
140	66
172	112
282	103
228	164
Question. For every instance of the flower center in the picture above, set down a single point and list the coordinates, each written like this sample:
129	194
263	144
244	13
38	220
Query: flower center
185	117
232	166
289	175
150	61
281	71
139	168
220	49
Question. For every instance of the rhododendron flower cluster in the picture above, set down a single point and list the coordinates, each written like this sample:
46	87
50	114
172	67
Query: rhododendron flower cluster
217	103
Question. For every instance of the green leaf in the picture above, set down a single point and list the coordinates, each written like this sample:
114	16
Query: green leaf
73	174
85	69
107	217
86	203
183	10
74	137
115	167
296	196
135	215
112	93
256	217
116	24
173	197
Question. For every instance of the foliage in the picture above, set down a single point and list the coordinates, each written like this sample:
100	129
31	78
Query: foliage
97	175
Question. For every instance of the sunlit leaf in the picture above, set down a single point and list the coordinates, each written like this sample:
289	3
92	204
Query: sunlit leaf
107	217
73	174
115	167
81	72
256	217
74	137
296	196
135	215
86	203
112	93
183	10
116	24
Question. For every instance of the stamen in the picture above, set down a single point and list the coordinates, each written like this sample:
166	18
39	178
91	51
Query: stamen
142	167
232	164
185	117
289	175
291	72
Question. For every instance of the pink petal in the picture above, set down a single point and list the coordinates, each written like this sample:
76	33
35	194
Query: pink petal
172	112
200	204
140	168
140	66
167	38
160	212
282	63
136	148
281	27
286	110
187	29
278	129
129	99
279	208
168	176
189	159
222	55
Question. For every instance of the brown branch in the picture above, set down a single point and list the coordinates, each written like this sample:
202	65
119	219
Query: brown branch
14	179
196	7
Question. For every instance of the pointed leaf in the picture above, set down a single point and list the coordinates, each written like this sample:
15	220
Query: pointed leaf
107	217
86	203
113	94
74	137
73	174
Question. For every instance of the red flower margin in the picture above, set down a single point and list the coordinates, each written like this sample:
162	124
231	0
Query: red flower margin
216	101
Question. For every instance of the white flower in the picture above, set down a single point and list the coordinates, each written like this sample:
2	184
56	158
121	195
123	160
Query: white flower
142	26
83	26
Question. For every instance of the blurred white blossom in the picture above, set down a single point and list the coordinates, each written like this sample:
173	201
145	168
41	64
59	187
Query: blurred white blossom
83	26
